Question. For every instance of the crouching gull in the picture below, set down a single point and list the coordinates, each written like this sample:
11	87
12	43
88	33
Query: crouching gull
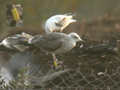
55	43
58	23
16	42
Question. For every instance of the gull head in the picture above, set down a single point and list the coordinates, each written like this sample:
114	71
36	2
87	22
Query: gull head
75	36
66	20
70	19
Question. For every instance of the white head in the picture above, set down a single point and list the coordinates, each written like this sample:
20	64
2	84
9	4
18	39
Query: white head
75	36
66	20
69	19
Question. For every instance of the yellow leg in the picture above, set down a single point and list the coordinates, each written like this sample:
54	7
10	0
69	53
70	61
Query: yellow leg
55	63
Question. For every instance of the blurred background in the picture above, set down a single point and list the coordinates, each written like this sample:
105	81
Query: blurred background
35	13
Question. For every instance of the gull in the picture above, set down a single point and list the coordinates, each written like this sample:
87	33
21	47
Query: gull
55	43
58	23
16	42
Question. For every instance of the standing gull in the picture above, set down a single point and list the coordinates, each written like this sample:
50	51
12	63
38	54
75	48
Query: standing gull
58	23
55	43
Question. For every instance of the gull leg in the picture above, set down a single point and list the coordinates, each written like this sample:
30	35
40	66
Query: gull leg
57	64
55	61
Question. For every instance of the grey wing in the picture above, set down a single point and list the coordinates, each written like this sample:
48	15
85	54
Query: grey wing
20	47
49	42
14	41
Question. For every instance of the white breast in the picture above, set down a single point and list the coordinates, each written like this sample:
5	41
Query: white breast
66	47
